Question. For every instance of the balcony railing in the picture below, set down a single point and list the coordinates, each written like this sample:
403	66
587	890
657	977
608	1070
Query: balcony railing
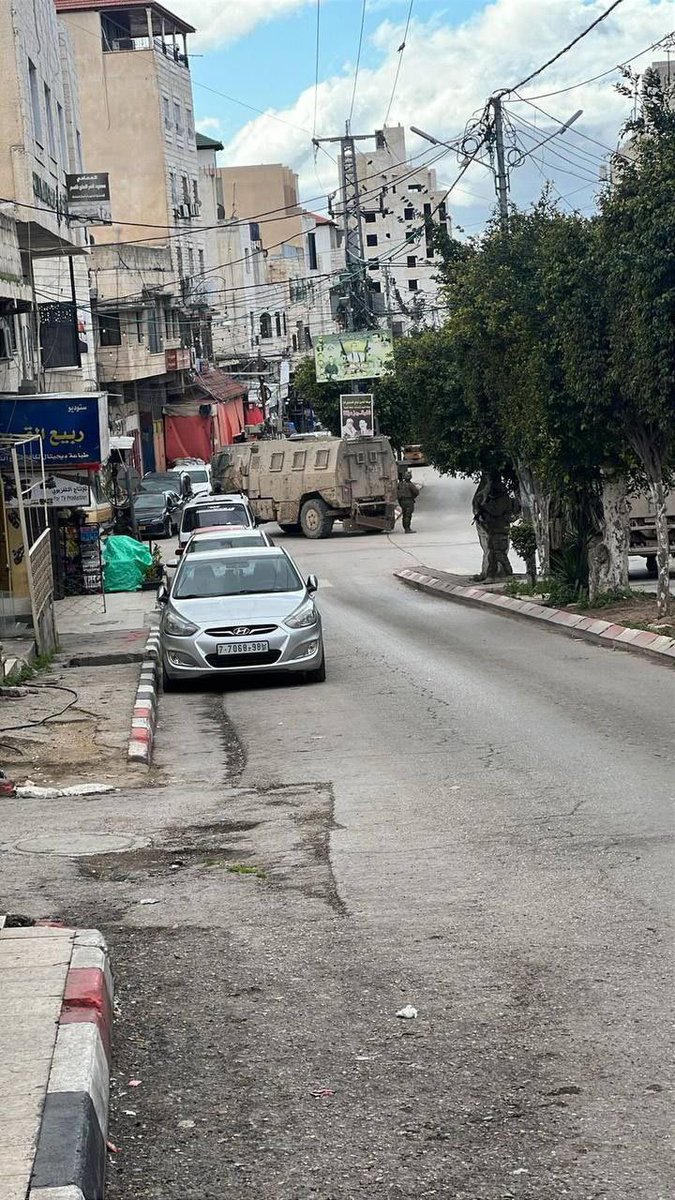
168	49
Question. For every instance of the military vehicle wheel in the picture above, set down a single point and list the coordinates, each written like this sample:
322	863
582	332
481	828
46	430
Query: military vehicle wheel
314	521
286	528
652	566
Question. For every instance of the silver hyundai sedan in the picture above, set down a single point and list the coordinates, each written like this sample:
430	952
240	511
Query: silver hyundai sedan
234	611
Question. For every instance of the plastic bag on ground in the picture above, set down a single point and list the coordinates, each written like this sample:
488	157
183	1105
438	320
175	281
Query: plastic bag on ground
125	562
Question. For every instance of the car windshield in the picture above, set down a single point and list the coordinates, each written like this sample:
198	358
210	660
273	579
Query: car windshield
197	474
233	576
199	518
149	501
225	543
157	485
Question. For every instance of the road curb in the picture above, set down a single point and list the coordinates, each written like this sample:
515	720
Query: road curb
70	1159
602	633
144	715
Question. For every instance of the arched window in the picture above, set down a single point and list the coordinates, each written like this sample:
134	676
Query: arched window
265	325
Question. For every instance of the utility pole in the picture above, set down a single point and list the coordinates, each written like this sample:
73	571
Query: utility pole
359	315
501	174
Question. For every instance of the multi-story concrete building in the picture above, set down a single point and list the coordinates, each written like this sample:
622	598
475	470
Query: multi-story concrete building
268	194
324	261
397	198
138	127
44	295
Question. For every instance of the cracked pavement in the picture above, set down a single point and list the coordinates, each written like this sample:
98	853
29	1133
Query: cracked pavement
470	816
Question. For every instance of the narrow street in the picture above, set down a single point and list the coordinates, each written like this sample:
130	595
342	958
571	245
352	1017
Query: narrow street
471	816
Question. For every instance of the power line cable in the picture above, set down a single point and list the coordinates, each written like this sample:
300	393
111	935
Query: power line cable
358	63
398	65
594	78
578	132
316	64
603	16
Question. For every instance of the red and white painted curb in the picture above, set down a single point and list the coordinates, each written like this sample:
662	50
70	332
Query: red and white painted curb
70	1159
603	633
144	716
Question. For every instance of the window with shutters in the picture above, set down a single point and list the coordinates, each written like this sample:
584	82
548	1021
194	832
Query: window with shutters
58	335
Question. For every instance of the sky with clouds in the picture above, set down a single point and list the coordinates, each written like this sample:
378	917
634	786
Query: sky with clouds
262	54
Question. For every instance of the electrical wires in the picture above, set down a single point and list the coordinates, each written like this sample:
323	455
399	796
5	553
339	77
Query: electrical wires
398	65
578	38
358	63
316	63
594	78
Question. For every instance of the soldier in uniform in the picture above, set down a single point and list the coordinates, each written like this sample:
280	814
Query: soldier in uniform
407	495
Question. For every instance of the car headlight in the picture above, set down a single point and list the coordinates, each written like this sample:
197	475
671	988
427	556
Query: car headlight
305	615
177	626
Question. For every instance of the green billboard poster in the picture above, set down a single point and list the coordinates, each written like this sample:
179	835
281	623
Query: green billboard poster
363	354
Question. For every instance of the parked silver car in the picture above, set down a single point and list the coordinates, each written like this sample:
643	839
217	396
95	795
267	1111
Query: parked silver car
235	611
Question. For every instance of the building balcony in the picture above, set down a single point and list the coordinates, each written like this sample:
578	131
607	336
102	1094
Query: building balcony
129	361
117	44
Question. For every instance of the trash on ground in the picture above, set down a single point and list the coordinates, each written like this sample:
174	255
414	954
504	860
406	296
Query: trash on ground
186	1124
408	1013
112	1147
129	1112
149	900
318	1093
135	1082
32	791
7	785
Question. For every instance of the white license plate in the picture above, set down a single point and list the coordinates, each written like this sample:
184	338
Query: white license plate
244	648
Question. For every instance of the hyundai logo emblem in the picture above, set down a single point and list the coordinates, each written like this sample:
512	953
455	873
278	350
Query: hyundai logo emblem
241	630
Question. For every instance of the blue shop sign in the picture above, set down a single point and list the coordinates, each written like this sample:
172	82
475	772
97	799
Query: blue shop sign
74	428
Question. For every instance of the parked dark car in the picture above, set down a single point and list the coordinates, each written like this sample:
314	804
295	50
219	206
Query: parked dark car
168	481
157	513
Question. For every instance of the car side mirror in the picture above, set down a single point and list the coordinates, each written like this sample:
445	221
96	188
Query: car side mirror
312	584
162	594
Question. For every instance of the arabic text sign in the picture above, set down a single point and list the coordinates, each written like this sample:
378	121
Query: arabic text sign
59	493
356	415
70	426
360	355
88	198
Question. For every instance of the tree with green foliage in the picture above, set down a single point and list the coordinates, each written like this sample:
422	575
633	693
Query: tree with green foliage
637	234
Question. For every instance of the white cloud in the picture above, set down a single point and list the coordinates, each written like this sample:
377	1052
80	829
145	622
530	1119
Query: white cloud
219	22
208	125
447	73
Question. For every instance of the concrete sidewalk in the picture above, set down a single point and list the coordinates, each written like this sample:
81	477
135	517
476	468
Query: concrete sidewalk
592	629
55	1017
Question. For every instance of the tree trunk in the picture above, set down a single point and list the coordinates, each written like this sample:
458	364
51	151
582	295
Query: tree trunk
657	493
608	555
535	502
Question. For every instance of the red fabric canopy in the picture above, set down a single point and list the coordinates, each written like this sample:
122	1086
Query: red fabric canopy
194	436
188	437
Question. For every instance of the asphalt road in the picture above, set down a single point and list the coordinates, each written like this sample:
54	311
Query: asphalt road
471	816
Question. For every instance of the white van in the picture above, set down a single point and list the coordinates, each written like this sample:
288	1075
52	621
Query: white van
199	473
